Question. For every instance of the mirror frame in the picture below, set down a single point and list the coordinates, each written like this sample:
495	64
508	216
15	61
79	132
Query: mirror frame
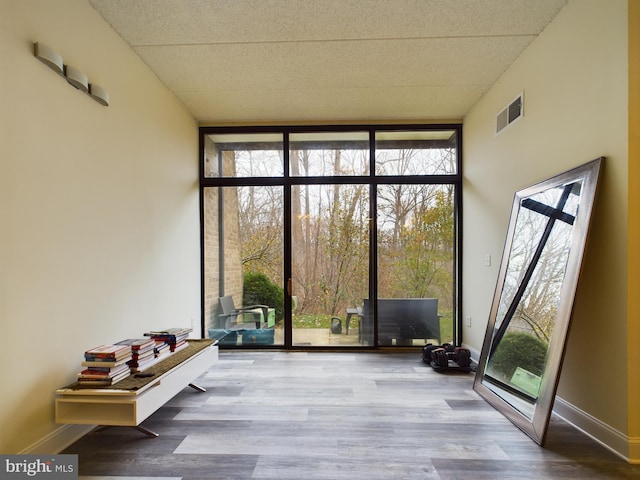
536	425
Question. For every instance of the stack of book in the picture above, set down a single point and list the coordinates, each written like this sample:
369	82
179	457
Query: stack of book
175	337
142	353
161	348
106	365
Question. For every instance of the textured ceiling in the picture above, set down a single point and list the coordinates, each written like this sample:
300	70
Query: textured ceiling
249	61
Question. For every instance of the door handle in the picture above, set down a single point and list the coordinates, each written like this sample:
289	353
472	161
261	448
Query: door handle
289	283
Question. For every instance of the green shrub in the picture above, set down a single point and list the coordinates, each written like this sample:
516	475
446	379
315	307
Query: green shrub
258	289
519	350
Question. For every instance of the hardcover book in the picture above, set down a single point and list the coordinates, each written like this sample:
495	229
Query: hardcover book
104	362
115	352
138	344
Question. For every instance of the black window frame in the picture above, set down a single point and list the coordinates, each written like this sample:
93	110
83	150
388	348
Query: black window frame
371	179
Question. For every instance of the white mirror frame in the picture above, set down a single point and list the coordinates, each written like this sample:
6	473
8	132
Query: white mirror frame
535	422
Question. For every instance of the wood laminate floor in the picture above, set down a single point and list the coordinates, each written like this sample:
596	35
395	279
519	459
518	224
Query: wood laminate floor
333	416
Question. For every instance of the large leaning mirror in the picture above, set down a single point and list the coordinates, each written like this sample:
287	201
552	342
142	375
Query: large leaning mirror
523	347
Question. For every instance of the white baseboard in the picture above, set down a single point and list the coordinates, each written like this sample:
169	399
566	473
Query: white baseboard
627	448
634	450
607	436
58	440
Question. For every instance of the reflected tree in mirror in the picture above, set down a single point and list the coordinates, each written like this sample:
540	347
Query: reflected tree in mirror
526	334
535	271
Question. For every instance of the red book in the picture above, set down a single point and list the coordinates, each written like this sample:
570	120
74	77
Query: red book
115	352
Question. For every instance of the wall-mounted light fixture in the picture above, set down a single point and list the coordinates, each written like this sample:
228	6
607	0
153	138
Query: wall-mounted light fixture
99	94
73	75
49	57
76	78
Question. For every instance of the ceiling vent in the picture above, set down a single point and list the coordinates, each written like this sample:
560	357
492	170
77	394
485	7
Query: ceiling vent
510	114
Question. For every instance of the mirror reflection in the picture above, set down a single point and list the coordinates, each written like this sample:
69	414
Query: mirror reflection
528	304
529	320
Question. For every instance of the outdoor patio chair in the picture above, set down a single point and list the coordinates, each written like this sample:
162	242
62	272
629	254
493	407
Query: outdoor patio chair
229	313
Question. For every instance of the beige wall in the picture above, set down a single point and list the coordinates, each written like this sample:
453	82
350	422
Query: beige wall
574	79
633	287
98	208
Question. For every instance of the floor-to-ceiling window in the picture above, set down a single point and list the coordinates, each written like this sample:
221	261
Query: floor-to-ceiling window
336	236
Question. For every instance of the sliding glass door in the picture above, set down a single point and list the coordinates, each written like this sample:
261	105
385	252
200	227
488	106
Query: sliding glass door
330	231
330	237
